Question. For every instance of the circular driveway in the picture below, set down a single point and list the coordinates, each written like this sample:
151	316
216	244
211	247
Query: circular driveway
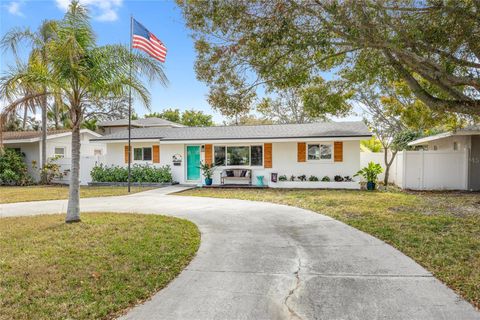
267	261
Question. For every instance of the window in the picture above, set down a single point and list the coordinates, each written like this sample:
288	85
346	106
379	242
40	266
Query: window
435	148
97	152
142	154
319	152
59	152
256	155
238	156
219	155
455	146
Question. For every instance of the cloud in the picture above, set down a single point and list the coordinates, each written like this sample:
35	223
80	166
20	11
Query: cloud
14	8
102	10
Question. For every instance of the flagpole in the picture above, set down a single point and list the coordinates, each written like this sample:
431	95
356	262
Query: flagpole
130	107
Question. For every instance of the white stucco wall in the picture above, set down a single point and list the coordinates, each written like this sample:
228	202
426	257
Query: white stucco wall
446	144
284	155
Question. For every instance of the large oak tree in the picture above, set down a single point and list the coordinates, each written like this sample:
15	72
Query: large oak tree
433	46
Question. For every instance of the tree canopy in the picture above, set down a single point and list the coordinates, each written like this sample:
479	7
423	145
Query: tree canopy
433	46
191	118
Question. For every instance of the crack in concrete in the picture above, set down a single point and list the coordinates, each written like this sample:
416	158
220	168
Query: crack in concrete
293	314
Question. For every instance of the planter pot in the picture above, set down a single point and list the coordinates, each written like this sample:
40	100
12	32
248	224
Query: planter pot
208	181
370	185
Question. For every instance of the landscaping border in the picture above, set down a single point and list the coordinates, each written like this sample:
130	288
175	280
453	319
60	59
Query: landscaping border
134	184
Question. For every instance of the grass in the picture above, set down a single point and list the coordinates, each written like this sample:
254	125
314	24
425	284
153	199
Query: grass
58	192
441	231
94	269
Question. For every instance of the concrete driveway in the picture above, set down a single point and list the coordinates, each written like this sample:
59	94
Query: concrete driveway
268	261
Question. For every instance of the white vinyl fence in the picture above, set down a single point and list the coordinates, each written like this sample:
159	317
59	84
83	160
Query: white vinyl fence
86	165
425	170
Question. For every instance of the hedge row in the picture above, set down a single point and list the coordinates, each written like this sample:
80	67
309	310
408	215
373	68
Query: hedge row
139	173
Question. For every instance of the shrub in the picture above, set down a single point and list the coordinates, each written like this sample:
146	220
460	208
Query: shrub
13	170
312	178
326	179
282	178
338	178
139	173
292	178
50	171
302	177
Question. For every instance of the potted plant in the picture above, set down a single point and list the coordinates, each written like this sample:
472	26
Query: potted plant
370	174
207	172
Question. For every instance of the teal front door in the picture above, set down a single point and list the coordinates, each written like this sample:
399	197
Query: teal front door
193	163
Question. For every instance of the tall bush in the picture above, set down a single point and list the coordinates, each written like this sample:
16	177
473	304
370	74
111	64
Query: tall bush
139	173
13	170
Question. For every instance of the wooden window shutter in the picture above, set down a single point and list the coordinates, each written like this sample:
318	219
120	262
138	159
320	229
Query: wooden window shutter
301	152
338	151
267	149
156	153
126	154
208	153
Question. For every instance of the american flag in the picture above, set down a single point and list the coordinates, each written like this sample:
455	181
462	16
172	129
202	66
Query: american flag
146	41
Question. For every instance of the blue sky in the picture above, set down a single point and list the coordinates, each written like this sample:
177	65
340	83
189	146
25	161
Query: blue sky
111	22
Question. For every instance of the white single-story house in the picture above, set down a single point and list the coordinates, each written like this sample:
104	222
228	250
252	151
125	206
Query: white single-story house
269	151
59	143
108	127
455	158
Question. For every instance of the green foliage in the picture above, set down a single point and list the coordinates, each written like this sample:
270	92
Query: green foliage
139	173
282	178
207	169
194	118
372	145
370	172
246	46
13	170
326	179
51	170
190	118
312	178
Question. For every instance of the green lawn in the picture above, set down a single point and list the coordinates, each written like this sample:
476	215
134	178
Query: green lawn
57	192
90	270
441	231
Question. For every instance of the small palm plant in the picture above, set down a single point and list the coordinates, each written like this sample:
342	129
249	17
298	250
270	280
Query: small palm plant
207	172
370	174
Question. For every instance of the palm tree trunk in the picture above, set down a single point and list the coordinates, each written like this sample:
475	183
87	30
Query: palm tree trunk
25	114
73	208
44	135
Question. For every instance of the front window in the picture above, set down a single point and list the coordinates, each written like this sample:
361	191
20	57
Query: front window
455	146
320	152
219	155
142	154
59	152
238	156
256	155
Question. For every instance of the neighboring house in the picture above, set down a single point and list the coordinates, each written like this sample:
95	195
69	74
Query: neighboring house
59	143
108	127
446	161
457	157
319	149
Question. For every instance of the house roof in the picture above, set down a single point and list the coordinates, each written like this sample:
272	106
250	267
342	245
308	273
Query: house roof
141	123
470	130
32	136
280	131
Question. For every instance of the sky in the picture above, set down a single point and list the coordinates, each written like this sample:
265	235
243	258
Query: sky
111	22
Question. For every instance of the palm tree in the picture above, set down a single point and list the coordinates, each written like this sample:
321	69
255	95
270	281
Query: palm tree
39	55
82	72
